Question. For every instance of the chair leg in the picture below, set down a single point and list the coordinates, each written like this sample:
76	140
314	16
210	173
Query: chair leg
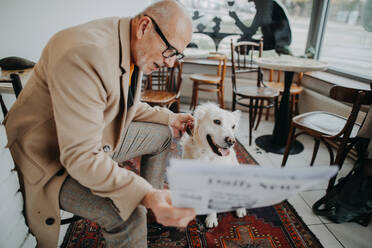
222	97
315	151
259	114
291	107
267	111
194	95
276	108
255	108
250	120
296	111
342	152
329	148
233	102
3	107
289	144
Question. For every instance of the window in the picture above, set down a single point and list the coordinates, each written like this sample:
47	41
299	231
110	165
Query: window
212	15
299	13
336	31
347	40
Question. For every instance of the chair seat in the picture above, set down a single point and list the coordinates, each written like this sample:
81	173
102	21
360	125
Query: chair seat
157	96
294	90
206	78
257	92
324	123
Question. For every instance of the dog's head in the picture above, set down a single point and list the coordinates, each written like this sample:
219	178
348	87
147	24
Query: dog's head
216	127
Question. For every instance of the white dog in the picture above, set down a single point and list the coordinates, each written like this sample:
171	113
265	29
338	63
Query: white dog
212	139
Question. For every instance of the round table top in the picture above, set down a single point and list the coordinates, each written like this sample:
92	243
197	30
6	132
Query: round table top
291	63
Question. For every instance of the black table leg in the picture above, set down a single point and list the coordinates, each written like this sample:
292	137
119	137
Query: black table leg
276	142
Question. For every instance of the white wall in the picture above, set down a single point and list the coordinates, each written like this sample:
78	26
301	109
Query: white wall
27	25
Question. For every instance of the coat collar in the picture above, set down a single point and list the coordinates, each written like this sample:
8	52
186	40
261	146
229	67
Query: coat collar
124	36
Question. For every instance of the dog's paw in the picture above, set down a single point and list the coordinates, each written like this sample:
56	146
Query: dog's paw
211	220
241	212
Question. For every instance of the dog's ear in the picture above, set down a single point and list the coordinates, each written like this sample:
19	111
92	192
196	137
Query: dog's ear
200	111
237	114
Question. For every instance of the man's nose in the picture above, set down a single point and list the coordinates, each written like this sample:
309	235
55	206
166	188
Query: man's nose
169	62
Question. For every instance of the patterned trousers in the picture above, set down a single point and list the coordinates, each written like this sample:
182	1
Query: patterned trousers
150	140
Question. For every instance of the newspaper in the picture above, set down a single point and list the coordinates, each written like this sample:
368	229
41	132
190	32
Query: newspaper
209	187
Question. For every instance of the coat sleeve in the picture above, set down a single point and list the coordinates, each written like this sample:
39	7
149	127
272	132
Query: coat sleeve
146	113
79	98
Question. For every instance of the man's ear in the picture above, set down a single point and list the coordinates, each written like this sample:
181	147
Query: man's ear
142	27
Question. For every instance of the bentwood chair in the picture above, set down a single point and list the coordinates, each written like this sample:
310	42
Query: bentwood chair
163	87
294	91
331	128
210	83
250	96
15	80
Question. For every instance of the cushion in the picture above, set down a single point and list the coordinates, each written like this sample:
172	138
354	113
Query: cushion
15	63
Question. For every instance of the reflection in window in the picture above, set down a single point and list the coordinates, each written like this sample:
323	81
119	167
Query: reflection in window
299	13
215	15
347	42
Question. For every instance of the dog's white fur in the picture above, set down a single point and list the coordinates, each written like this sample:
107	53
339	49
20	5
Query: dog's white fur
221	126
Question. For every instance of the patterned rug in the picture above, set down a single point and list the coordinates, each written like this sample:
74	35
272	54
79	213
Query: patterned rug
274	226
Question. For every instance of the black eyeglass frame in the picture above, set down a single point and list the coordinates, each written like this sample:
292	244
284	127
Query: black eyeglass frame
169	46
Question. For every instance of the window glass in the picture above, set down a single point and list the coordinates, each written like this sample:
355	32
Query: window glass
299	13
210	16
347	41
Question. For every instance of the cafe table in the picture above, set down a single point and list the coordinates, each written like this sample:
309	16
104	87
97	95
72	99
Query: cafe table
277	141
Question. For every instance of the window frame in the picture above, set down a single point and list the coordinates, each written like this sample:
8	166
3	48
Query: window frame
318	22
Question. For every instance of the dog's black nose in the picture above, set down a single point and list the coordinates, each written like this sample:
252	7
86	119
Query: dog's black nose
230	141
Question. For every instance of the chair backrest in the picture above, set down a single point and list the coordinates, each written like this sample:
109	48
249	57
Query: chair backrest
242	59
15	80
221	68
357	98
166	79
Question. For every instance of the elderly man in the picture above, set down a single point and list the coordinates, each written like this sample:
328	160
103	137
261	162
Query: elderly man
79	115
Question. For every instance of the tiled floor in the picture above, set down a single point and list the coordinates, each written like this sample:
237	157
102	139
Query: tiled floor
348	235
331	235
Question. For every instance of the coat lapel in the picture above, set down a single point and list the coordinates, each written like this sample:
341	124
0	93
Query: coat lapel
124	34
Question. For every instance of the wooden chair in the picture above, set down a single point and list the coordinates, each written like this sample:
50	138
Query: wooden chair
252	96
328	127
15	80
163	87
210	83
294	92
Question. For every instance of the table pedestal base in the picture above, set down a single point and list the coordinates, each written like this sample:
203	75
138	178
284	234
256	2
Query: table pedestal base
265	142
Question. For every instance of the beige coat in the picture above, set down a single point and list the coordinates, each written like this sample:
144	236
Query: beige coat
73	105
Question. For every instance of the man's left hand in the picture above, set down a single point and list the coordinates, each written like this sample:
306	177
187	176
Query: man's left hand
178	123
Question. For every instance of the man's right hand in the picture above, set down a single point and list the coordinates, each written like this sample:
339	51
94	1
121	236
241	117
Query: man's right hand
159	201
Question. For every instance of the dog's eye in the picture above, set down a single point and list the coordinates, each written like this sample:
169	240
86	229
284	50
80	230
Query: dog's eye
218	122
233	127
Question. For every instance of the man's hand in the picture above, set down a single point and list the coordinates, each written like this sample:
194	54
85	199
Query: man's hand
178	123
160	203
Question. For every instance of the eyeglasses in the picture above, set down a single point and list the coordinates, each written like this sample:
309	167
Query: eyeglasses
170	51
